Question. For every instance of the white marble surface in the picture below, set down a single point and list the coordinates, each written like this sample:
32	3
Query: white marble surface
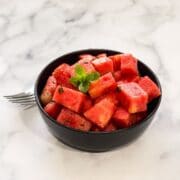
34	32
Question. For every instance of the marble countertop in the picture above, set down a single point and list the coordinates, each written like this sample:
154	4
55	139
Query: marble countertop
32	33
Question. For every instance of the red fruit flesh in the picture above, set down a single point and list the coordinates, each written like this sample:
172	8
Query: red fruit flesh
69	98
102	85
128	65
95	128
87	66
116	61
87	57
137	117
110	127
103	65
87	104
73	120
122	117
48	91
133	97
52	109
117	75
101	55
100	113
63	74
112	96
150	87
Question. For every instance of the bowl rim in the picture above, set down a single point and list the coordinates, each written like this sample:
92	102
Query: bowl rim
86	51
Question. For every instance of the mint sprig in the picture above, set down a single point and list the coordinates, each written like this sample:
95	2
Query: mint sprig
82	79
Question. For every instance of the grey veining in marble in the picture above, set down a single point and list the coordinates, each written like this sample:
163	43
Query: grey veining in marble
32	33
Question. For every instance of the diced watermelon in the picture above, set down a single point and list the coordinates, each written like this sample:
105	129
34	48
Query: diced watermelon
103	65
87	57
51	84
130	78
102	85
100	113
110	127
117	75
101	55
111	96
82	61
132	97
87	104
135	118
73	120
86	63
52	109
128	65
48	91
62	74
122	117
69	98
87	66
116	61
150	87
95	128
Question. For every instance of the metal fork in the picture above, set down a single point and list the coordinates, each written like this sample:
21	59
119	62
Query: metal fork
25	99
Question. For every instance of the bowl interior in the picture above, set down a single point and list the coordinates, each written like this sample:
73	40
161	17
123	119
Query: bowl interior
72	57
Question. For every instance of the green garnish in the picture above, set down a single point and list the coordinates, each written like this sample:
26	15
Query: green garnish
82	79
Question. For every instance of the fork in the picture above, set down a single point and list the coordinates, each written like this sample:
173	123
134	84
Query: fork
25	99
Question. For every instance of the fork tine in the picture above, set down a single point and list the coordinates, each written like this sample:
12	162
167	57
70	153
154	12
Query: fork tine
25	101
21	99
15	95
23	95
28	107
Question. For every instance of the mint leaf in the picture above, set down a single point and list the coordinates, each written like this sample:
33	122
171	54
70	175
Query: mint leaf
79	70
82	79
74	81
92	76
84	86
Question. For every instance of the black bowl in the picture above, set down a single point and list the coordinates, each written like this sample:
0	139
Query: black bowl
93	141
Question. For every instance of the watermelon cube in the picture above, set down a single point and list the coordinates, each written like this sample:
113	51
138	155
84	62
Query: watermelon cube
69	98
73	120
87	104
102	85
95	128
87	66
122	117
137	117
132	97
52	109
130	78
128	65
111	96
87	57
110	127
101	55
103	65
48	91
116	61
100	113
150	87
63	74
117	75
